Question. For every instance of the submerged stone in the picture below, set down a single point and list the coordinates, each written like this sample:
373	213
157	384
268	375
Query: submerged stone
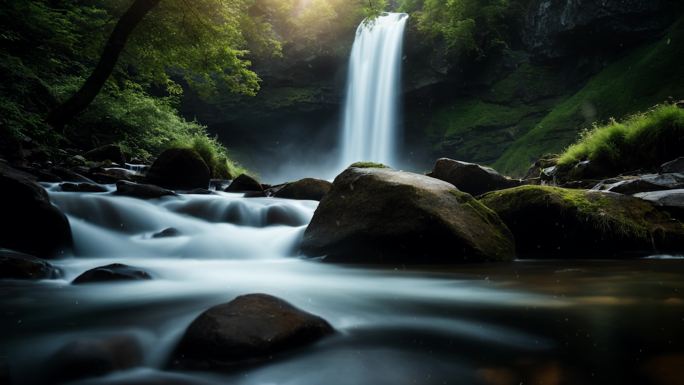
251	328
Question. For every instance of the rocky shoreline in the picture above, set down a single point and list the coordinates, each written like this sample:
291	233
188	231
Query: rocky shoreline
371	214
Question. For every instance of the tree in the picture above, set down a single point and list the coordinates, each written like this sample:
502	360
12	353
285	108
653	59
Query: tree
110	55
199	40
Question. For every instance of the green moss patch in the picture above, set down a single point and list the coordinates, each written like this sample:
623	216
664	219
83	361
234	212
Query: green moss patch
554	221
368	165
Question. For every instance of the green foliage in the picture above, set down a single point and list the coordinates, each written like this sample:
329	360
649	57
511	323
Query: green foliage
50	46
645	77
144	126
214	155
641	140
469	28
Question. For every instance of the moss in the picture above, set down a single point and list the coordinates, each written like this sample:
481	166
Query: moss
642	140
368	165
645	77
605	213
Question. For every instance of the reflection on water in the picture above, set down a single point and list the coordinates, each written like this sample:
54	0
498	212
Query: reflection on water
545	322
538	322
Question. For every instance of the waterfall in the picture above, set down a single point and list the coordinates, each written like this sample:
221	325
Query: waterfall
370	112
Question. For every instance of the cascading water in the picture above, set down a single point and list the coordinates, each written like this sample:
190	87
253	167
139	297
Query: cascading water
373	84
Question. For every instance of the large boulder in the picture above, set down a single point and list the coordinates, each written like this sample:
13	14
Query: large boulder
29	222
108	152
94	356
669	200
250	328
179	169
552	222
380	215
141	191
112	273
244	183
14	265
306	189
470	177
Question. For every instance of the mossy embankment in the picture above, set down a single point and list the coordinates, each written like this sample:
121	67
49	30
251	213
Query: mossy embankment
540	108
554	222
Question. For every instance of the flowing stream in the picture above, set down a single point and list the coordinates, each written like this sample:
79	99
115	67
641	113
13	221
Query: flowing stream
370	112
523	322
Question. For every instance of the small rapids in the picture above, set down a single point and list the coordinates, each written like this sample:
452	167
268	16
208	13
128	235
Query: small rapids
429	326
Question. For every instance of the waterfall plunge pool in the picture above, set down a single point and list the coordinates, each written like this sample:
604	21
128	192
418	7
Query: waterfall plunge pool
550	322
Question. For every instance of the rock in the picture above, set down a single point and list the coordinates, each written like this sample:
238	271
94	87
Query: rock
250	328
256	194
306	189
179	168
669	200
168	232
284	216
142	191
642	183
67	175
14	265
76	160
111	152
30	223
673	166
82	187
379	215
470	177
113	272
199	191
559	28
553	222
244	183
89	357
114	174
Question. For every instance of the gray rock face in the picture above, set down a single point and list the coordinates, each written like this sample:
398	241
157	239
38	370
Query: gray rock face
674	166
556	28
380	215
111	152
470	177
250	328
670	200
642	183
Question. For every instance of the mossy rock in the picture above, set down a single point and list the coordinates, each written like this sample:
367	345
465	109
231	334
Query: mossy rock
552	222
368	165
380	215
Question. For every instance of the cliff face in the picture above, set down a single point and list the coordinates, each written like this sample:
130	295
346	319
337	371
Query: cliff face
532	98
561	28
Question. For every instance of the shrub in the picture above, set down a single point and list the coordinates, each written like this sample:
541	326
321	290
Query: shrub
641	141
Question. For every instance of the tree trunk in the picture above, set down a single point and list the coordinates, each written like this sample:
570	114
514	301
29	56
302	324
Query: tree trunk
110	55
